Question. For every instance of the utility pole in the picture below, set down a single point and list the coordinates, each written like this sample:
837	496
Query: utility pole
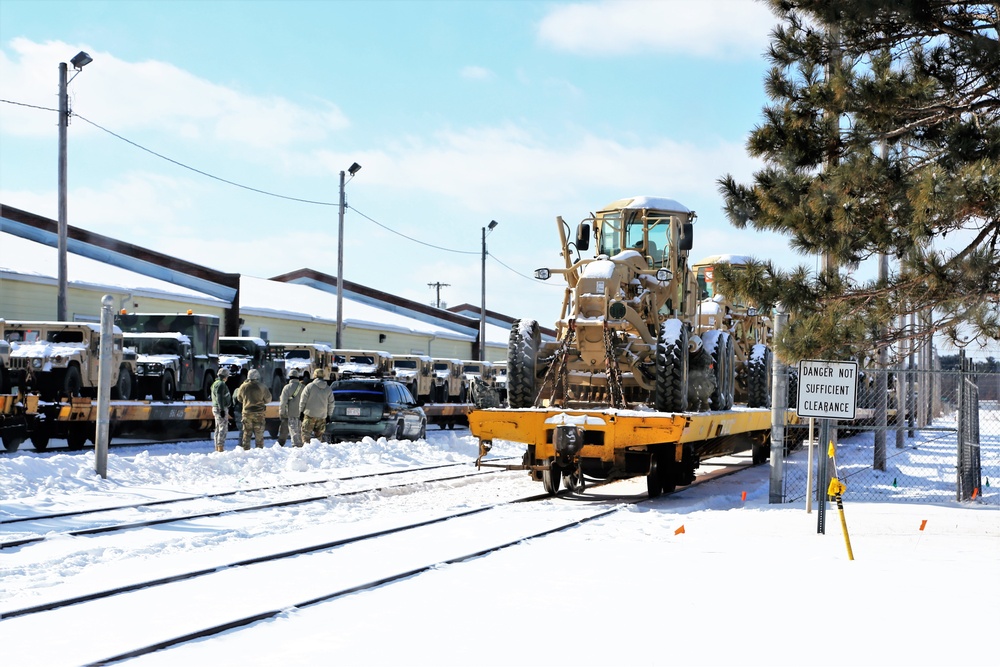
437	287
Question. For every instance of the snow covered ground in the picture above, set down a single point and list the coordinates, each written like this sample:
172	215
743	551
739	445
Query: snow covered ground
704	576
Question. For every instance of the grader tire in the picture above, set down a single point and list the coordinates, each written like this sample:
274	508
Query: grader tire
759	377
672	371
522	356
724	360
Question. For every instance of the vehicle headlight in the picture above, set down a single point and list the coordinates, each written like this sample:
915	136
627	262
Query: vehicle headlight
140	370
36	363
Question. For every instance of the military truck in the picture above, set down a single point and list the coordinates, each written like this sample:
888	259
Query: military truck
449	382
307	358
62	359
626	333
241	353
500	380
362	363
178	353
4	364
749	327
416	371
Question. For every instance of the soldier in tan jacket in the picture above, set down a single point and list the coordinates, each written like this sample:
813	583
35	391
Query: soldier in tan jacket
254	397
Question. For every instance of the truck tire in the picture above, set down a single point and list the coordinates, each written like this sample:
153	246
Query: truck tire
671	370
759	377
720	343
206	387
123	388
72	382
522	357
167	388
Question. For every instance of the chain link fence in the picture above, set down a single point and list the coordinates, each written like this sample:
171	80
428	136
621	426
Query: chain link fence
923	436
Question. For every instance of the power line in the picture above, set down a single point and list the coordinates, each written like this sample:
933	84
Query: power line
265	192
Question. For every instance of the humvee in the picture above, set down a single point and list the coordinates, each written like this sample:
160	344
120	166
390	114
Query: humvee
416	371
61	359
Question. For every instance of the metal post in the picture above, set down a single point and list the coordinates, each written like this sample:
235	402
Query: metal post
881	383
340	266
823	477
779	406
62	243
482	309
104	385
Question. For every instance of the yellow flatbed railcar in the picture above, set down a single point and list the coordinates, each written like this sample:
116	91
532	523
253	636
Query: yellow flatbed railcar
26	416
568	444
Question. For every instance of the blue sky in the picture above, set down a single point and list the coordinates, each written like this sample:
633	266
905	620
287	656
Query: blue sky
459	113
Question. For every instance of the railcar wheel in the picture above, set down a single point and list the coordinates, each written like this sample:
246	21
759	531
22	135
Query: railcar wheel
522	357
40	442
654	483
76	438
759	377
551	477
671	368
12	437
574	481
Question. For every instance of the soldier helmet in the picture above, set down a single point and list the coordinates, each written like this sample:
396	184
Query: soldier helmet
320	373
254	374
223	372
295	373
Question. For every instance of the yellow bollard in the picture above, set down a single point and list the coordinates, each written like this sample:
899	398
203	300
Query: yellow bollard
836	490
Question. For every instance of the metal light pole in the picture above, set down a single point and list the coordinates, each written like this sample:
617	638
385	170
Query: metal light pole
482	308
79	61
353	169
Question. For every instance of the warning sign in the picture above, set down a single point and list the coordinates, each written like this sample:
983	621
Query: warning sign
827	389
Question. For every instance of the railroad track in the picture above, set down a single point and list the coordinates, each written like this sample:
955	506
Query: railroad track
266	587
47	533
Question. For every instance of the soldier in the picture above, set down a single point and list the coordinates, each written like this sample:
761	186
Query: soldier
222	400
316	406
288	409
254	397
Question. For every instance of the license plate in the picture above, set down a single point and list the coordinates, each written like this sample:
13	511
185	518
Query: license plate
353	412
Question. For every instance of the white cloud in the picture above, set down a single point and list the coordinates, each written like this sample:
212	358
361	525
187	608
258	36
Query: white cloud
127	96
475	72
466	167
720	29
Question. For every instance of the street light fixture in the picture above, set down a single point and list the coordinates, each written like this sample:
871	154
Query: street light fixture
353	169
79	61
482	309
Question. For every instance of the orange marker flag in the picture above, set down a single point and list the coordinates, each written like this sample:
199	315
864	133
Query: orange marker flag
679	531
975	492
744	496
923	524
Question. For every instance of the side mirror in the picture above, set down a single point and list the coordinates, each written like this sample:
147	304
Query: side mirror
583	236
542	274
687	236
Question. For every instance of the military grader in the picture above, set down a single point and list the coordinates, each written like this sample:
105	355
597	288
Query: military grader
749	328
627	333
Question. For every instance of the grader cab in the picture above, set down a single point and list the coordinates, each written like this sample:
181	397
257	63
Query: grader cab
626	334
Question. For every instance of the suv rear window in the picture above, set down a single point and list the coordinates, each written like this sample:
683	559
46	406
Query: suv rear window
359	391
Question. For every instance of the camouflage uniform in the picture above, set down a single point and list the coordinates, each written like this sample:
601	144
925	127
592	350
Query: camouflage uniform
317	406
254	397
288	411
221	401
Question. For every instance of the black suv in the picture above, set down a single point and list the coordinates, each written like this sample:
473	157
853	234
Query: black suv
379	408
